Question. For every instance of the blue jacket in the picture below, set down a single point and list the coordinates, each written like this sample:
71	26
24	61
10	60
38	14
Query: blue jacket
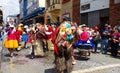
24	38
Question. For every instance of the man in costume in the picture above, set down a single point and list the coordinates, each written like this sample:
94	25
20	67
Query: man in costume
63	47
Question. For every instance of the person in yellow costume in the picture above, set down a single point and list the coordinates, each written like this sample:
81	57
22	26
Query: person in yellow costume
12	42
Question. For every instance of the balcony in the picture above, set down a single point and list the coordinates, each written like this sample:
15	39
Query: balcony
54	7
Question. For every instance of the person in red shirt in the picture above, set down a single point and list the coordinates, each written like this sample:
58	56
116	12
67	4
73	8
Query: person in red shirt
84	35
19	32
49	34
12	40
115	42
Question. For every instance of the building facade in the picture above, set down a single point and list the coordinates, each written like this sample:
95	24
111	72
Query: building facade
32	11
67	7
114	12
53	11
1	17
76	11
12	19
56	10
71	8
21	8
94	12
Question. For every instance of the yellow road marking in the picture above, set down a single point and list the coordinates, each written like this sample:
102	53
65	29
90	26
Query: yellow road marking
96	68
11	65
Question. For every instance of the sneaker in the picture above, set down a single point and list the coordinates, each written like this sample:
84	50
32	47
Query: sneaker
74	62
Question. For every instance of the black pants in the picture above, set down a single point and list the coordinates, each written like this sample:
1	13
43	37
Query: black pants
32	53
44	45
114	48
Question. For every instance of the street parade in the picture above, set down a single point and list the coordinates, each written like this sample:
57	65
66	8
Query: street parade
46	41
63	39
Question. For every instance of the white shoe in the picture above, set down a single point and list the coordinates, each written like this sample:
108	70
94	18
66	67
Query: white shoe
74	62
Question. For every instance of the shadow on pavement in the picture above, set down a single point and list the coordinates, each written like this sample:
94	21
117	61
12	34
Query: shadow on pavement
29	56
52	70
117	57
8	55
81	58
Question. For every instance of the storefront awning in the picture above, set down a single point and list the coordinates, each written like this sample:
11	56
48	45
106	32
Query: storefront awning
34	13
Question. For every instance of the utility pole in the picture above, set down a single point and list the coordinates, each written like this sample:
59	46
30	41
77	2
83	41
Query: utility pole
44	17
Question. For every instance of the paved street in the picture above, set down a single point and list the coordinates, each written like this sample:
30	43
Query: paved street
59	24
97	63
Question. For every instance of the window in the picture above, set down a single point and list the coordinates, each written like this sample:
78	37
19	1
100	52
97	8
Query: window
85	7
116	1
53	2
66	15
1	17
48	3
65	1
58	1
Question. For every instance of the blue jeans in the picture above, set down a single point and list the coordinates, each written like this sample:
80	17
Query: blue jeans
104	46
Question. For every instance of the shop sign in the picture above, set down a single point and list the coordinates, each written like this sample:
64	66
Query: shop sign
85	7
66	15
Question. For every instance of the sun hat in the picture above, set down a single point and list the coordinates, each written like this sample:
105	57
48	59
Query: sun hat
11	25
83	25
